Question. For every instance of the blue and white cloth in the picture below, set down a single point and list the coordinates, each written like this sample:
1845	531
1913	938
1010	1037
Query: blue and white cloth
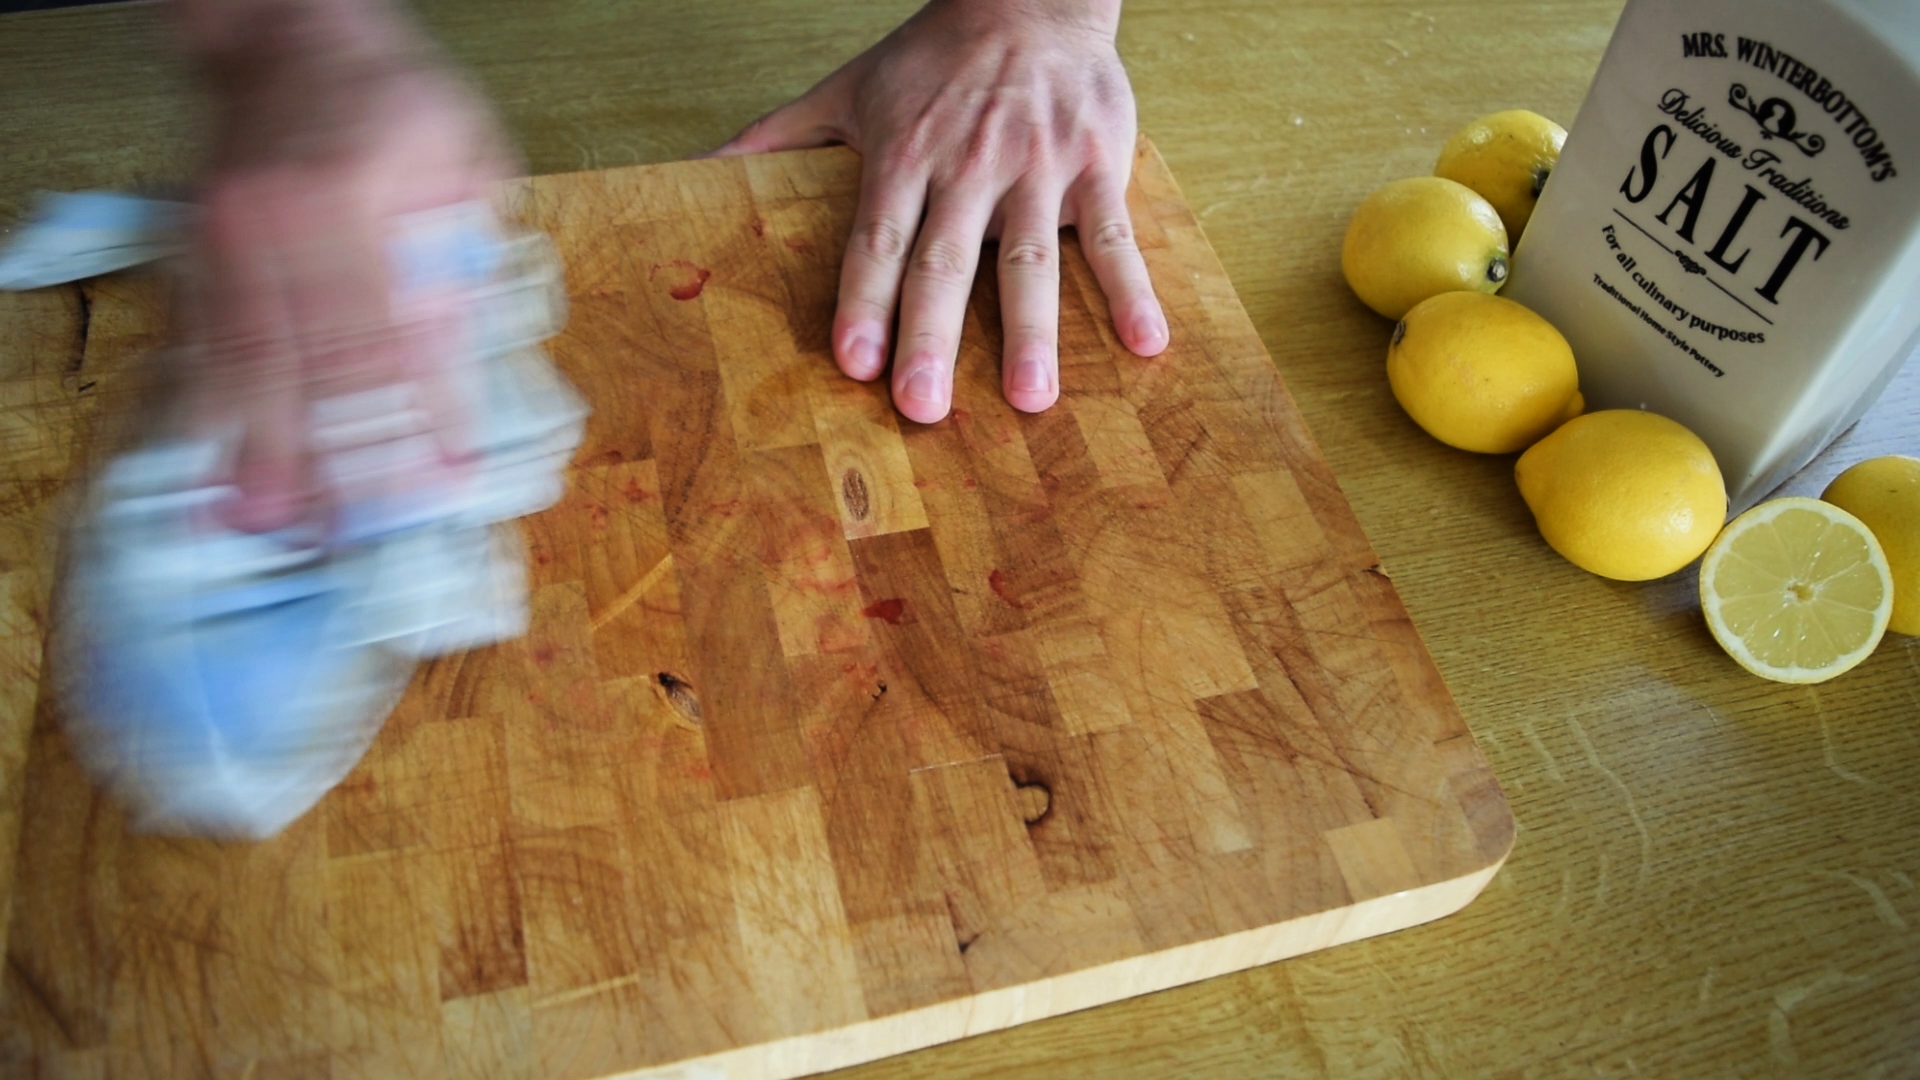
221	682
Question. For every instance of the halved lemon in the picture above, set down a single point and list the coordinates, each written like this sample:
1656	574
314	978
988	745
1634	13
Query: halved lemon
1796	590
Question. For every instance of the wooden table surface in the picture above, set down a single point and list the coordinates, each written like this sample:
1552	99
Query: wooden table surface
1714	876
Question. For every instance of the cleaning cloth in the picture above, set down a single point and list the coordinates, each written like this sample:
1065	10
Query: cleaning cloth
220	682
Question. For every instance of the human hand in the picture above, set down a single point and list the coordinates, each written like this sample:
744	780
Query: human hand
335	119
977	119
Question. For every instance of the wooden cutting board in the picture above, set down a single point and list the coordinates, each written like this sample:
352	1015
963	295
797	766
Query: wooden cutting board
834	736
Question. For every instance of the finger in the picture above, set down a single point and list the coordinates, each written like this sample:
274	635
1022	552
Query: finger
380	435
1106	237
489	179
448	149
489	157
891	201
478	166
432	347
797	125
252	362
337	282
1029	270
933	303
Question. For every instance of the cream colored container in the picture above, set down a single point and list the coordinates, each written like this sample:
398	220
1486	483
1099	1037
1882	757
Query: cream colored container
1732	235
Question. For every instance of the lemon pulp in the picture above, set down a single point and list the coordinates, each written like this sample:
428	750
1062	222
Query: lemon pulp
1796	590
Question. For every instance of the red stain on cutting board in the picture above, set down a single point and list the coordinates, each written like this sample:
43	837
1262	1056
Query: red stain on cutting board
890	610
998	582
692	278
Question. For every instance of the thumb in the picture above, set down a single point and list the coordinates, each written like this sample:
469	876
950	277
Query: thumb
271	475
806	121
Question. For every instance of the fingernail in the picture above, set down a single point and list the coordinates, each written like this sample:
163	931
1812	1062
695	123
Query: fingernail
1150	331
924	385
1030	377
864	358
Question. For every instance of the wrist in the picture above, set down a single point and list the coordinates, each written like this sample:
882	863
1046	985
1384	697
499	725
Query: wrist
1096	16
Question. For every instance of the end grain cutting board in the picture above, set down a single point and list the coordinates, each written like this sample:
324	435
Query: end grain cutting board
834	736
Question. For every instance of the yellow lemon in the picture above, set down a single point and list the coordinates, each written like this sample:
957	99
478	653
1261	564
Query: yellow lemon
1884	492
1624	494
1505	158
1418	237
1481	372
1796	590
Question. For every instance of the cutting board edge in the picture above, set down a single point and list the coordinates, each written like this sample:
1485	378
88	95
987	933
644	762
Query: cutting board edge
994	1010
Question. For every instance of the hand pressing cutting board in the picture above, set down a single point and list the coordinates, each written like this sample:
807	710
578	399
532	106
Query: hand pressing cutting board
834	735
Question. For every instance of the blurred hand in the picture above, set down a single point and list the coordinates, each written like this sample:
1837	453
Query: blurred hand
977	120
332	123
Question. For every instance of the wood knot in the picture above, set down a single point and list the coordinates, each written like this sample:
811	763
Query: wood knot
679	694
853	491
1034	800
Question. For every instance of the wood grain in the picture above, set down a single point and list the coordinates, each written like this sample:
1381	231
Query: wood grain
834	735
1713	876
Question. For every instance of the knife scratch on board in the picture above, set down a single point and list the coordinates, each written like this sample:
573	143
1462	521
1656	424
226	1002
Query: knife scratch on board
634	592
78	358
961	937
